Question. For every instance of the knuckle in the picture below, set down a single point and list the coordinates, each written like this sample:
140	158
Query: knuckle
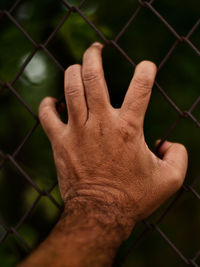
44	113
143	83
72	83
73	90
126	133
181	151
128	130
177	179
146	71
134	126
91	75
182	148
45	103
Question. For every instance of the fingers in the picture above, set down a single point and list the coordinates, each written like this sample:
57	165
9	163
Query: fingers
176	156
93	78
139	92
49	118
75	96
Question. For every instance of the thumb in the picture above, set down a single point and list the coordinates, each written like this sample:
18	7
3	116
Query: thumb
175	155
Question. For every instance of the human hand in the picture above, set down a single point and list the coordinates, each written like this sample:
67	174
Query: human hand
101	153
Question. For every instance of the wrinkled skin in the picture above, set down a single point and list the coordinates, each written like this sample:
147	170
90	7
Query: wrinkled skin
101	152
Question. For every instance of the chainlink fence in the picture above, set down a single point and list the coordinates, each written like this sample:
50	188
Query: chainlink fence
182	258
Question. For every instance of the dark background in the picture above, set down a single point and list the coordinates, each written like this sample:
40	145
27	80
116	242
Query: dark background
146	38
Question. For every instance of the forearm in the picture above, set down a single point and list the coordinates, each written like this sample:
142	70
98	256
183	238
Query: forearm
88	233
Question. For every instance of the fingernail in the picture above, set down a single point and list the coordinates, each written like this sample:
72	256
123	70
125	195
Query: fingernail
98	44
157	142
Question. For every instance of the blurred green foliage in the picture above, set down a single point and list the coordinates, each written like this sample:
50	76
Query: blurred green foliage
146	38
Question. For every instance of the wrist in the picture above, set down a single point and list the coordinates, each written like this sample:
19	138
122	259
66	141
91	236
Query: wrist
104	199
97	228
107	218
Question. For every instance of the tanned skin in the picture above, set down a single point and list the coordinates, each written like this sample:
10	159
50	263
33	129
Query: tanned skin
108	177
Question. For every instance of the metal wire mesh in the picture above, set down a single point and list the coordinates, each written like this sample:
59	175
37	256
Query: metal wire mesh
181	115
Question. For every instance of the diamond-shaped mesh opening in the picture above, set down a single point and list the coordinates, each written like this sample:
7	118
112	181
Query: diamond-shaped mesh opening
183	213
12	119
36	161
37	226
188	14
179	76
11	59
38	18
17	184
68	37
151	242
144	29
10	251
39	78
110	19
